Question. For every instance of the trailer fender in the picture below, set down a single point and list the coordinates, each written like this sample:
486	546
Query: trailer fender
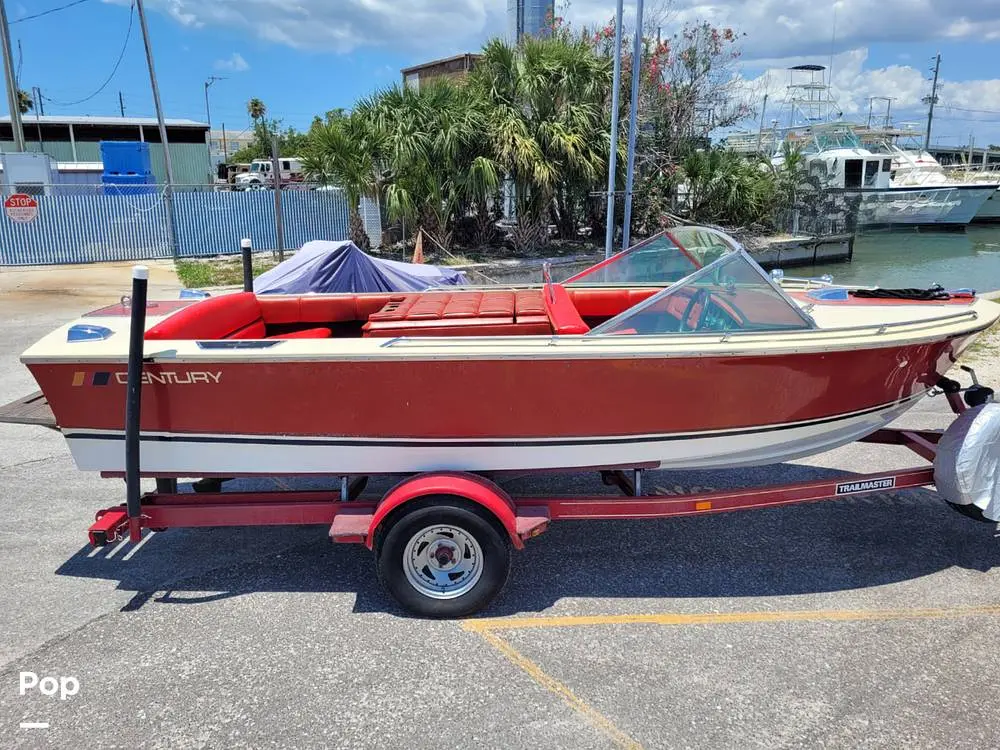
457	484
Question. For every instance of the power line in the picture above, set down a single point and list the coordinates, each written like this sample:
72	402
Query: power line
966	109
118	62
48	12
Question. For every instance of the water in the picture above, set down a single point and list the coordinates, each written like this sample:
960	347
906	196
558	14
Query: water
908	258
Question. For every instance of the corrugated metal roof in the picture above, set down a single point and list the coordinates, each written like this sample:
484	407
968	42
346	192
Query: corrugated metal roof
30	119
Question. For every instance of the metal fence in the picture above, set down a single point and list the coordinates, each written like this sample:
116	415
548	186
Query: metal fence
83	224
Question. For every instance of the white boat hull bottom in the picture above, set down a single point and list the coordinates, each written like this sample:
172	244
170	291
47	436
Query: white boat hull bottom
990	210
931	205
229	455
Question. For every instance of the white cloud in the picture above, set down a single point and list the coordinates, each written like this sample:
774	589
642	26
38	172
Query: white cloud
345	25
234	63
775	28
963	105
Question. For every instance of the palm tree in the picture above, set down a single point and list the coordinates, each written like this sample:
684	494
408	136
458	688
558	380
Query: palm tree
725	187
350	154
435	155
24	101
256	109
544	121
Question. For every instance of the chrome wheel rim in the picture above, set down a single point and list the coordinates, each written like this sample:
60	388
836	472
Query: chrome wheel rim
443	561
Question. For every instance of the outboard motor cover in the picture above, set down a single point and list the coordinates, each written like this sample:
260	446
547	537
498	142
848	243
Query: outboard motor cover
967	465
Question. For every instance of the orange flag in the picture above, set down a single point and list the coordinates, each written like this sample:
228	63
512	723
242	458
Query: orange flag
418	251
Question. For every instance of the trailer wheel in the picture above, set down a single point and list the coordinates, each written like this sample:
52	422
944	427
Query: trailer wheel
443	558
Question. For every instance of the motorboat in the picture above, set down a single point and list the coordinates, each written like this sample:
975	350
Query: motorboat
918	169
893	189
680	352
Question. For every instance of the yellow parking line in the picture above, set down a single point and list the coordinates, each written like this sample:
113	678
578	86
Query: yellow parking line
594	717
724	618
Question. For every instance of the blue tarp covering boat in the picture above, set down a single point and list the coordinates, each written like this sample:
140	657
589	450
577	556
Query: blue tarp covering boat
330	267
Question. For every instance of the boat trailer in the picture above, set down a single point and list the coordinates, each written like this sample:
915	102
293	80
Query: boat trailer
442	539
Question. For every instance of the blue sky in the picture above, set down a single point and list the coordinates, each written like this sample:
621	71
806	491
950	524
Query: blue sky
303	57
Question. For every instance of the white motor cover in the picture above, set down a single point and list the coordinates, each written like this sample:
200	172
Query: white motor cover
967	465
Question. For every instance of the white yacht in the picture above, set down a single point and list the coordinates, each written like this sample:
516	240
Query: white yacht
895	188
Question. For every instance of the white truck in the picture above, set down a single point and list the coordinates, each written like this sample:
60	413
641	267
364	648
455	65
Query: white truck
261	175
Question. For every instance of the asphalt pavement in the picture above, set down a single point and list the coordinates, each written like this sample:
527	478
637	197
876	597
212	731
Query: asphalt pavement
864	622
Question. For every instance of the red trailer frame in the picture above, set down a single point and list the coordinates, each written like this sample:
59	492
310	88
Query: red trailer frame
353	520
517	519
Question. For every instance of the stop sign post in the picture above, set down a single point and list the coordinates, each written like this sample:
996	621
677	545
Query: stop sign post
21	208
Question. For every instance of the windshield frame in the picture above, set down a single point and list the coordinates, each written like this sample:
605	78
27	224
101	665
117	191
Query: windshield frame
603	329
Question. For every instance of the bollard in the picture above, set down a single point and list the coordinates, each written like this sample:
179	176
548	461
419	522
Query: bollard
133	399
246	248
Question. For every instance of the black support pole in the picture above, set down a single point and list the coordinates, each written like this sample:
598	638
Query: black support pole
247	249
133	400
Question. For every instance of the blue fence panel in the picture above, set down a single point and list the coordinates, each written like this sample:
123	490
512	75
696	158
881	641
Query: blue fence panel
210	223
313	215
86	229
97	226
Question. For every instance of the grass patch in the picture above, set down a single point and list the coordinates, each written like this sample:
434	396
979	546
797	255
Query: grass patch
197	274
987	345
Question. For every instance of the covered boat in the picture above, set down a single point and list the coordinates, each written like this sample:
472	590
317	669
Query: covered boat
680	352
341	267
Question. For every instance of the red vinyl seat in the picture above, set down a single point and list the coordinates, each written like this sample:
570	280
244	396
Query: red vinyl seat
227	316
563	315
308	333
234	316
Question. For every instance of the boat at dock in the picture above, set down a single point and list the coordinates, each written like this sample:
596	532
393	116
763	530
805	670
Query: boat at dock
894	186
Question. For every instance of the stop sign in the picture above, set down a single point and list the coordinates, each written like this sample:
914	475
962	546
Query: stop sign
21	208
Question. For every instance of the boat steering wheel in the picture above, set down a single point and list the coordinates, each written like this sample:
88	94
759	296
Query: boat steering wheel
700	296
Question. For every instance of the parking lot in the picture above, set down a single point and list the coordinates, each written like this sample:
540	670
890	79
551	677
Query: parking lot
865	622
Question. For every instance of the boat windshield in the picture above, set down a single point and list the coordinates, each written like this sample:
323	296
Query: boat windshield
732	294
662	259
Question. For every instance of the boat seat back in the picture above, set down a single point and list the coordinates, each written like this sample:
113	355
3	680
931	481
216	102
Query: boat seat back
562	314
226	316
237	316
606	303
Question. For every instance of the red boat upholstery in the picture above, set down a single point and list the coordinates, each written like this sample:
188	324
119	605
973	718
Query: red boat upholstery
502	312
464	313
232	316
606	303
563	315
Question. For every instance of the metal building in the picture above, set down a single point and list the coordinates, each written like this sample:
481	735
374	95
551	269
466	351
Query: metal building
76	140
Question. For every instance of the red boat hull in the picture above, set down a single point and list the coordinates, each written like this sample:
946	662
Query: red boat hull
483	403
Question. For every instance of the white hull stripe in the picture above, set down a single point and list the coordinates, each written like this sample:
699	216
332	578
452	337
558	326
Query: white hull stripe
703	451
154	437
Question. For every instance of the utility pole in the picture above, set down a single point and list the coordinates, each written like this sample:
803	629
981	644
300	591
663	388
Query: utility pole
633	125
121	103
760	133
169	191
8	69
609	235
208	110
279	223
225	151
932	100
36	98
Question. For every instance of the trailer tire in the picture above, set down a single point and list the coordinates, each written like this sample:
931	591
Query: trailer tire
443	557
